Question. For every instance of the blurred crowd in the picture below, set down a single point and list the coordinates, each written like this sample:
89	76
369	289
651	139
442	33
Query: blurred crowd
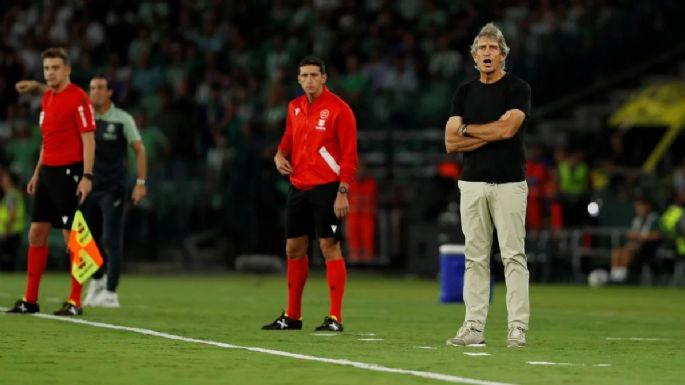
209	81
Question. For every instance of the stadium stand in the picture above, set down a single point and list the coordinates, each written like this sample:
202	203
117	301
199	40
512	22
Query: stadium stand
210	90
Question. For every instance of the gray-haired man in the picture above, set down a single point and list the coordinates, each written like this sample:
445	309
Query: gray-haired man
487	124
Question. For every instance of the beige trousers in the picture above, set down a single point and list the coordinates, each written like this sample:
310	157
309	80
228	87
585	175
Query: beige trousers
484	207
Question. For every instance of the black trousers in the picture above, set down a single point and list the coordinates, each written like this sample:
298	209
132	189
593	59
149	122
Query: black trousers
104	213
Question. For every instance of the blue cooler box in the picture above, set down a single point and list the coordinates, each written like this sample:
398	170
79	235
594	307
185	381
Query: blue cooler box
452	267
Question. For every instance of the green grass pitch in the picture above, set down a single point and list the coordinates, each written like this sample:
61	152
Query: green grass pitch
594	333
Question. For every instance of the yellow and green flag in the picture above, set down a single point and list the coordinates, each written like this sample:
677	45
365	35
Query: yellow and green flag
85	256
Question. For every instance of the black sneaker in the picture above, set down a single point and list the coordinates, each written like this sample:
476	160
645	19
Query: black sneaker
284	323
69	309
23	307
330	324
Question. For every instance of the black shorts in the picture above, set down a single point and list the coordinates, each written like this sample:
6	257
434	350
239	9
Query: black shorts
56	200
310	212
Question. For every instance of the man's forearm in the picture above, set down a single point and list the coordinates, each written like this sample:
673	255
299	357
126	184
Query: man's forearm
39	164
455	143
466	147
88	152
141	159
502	129
490	132
40	87
141	165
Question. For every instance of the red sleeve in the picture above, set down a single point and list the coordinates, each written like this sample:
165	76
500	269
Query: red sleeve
85	115
347	137
286	145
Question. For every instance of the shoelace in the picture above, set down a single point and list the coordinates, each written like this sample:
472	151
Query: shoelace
464	331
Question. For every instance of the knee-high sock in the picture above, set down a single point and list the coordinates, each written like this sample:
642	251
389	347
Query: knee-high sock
75	294
298	270
37	260
336	274
76	288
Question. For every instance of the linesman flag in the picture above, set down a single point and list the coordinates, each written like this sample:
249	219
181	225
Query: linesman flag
85	256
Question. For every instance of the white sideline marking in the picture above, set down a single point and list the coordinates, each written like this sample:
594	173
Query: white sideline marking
426	347
365	334
342	362
545	363
371	339
476	354
636	339
325	334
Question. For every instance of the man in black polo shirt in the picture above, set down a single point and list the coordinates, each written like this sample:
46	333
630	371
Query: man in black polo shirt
487	124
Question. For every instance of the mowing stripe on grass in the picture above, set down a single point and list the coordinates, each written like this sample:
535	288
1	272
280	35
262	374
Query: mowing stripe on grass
342	362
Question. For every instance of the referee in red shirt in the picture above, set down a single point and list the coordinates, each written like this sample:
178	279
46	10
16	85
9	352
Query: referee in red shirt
319	153
63	175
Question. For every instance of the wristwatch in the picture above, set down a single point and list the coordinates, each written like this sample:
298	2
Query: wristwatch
88	176
463	130
140	181
342	190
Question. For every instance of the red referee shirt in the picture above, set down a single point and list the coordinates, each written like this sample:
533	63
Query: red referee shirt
321	139
64	116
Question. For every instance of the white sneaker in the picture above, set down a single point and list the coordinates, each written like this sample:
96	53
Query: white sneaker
106	298
467	335
516	337
95	287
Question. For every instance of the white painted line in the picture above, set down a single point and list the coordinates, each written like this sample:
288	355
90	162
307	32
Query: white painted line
365	334
342	362
636	339
325	334
476	354
426	347
545	363
371	339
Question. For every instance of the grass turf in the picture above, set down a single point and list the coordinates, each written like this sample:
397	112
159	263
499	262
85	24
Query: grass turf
569	325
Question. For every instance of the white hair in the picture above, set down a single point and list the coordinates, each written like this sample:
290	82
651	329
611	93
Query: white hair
491	31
